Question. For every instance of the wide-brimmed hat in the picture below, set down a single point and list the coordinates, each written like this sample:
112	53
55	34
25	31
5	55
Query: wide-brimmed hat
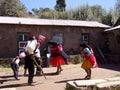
53	42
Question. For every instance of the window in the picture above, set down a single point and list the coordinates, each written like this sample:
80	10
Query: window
85	37
22	38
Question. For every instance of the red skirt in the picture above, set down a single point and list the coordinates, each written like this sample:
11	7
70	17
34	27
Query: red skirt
93	60
56	61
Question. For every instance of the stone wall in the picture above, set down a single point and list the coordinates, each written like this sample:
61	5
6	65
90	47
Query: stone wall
71	37
113	37
113	59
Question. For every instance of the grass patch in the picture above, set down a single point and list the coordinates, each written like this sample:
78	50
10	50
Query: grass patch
117	76
75	59
5	66
68	87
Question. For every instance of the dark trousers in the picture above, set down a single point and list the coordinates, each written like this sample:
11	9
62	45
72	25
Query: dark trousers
15	69
30	65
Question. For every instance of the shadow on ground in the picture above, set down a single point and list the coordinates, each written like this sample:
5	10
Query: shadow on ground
64	81
110	66
18	85
7	78
14	85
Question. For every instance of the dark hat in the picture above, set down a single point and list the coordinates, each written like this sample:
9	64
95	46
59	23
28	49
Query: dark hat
52	42
32	37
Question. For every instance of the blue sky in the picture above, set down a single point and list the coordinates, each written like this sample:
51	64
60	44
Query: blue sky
107	4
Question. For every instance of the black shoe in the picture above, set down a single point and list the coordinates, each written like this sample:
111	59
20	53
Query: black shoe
38	73
87	77
31	84
17	78
25	74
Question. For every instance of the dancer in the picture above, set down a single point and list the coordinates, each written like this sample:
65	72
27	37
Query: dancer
29	62
15	66
89	59
56	59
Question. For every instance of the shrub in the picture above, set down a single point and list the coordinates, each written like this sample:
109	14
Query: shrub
68	87
75	59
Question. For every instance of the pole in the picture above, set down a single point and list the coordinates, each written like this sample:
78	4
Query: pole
40	68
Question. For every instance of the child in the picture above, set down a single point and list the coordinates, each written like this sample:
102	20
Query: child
89	59
15	66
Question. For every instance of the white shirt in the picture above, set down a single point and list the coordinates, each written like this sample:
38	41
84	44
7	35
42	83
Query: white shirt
17	61
30	47
38	52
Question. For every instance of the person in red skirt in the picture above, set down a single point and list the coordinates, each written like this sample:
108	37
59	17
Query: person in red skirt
56	59
89	59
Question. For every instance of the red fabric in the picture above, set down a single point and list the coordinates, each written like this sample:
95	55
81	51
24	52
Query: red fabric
56	61
55	49
91	58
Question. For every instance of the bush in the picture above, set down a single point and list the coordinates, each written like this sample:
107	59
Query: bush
68	87
75	59
5	66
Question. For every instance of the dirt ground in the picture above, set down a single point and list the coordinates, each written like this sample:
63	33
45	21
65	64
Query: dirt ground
56	82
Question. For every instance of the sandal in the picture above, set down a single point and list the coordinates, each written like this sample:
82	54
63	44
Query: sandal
87	77
61	70
57	73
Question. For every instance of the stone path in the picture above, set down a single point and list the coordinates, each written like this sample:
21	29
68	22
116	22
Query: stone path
100	84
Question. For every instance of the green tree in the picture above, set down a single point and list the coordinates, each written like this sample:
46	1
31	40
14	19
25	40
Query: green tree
12	8
79	13
83	12
117	10
117	6
43	13
97	12
40	10
70	13
60	5
108	19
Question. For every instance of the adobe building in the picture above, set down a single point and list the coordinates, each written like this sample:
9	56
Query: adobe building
113	37
14	32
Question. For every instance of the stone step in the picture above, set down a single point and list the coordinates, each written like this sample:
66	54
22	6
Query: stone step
109	86
113	79
83	84
86	83
98	84
71	86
